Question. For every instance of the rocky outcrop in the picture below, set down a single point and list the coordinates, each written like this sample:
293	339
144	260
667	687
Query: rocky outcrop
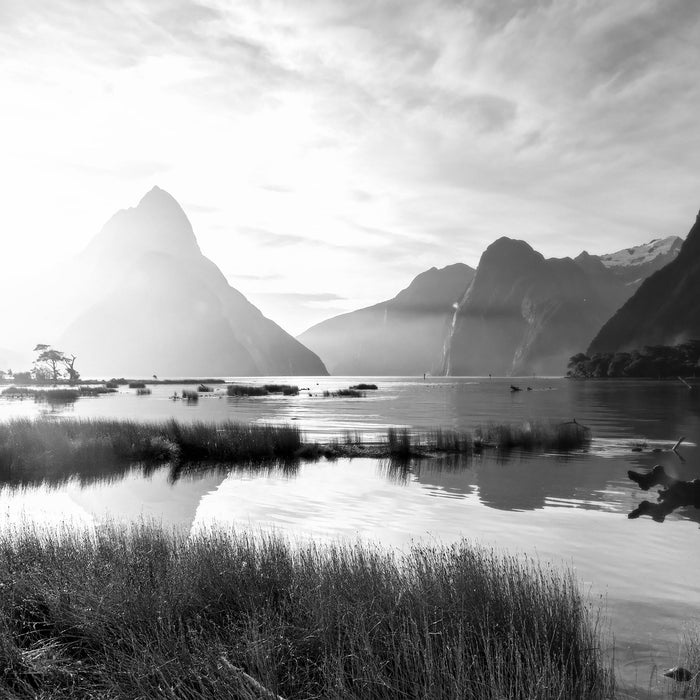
401	336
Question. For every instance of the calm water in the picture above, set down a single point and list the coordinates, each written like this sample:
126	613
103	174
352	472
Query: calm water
566	510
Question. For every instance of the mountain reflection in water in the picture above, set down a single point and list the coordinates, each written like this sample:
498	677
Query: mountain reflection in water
565	509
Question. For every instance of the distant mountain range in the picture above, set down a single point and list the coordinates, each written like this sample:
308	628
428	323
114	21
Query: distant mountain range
518	314
142	299
664	310
150	302
402	336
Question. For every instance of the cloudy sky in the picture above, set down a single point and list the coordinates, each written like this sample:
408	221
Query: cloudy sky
326	152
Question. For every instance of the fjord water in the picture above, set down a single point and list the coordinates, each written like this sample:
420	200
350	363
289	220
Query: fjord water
562	509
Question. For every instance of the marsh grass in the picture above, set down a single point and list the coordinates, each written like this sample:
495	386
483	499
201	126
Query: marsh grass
285	389
546	435
190	396
97	390
141	612
246	390
32	450
264	390
137	385
689	658
364	387
144	391
343	393
42	395
54	450
531	435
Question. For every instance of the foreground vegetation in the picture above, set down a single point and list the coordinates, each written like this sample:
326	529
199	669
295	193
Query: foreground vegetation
145	613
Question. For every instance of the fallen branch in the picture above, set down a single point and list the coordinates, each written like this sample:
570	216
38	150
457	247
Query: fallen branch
254	685
680	440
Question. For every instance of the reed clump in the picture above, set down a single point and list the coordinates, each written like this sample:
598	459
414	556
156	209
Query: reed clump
36	449
143	391
190	396
98	390
246	390
364	387
143	612
264	390
137	385
567	435
44	395
344	393
285	389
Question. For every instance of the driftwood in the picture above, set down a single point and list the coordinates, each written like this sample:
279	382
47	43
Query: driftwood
684	382
678	444
675	494
255	688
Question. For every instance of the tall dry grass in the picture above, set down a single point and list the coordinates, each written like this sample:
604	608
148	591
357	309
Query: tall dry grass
145	613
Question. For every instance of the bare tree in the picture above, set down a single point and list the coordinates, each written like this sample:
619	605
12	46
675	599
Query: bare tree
50	361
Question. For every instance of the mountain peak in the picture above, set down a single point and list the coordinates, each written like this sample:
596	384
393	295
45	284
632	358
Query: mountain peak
157	224
158	196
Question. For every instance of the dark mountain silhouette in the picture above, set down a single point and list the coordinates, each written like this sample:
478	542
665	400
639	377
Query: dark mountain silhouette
525	314
157	305
664	310
401	336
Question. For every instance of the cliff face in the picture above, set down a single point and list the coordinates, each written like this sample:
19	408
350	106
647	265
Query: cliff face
525	314
157	305
664	310
401	336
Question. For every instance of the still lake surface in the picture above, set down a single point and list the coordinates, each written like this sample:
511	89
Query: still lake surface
567	510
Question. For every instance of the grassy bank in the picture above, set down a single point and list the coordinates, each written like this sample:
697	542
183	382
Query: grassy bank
54	450
143	613
36	449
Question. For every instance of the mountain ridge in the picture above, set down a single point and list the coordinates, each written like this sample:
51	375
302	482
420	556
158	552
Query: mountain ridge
663	310
399	336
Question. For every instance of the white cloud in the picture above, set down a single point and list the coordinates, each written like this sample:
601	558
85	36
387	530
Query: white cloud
328	125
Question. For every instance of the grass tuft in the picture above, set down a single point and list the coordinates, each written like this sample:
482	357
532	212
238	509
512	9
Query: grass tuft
343	393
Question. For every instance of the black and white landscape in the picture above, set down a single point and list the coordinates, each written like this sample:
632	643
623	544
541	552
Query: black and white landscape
349	350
